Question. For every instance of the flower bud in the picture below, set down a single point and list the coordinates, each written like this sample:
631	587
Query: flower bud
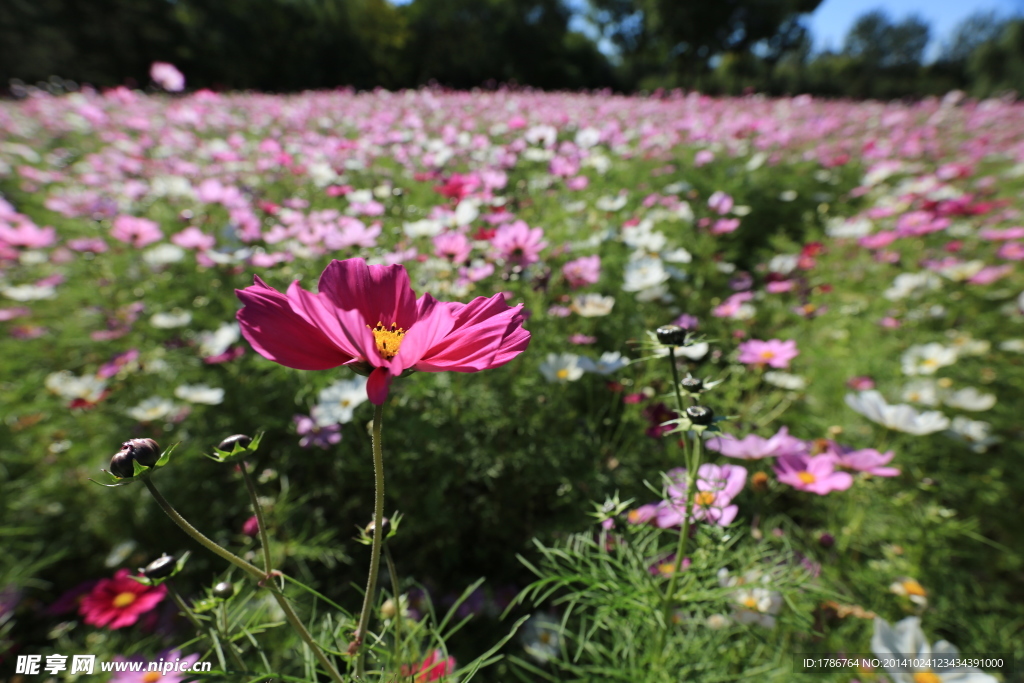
700	415
228	444
122	465
224	590
671	335
692	385
386	525
160	568
145	451
826	540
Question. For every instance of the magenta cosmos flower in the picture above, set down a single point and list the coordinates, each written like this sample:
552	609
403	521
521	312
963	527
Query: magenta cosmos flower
119	602
774	352
368	318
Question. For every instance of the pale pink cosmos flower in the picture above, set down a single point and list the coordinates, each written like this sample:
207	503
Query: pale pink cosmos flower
704	156
815	474
990	274
518	243
731	307
866	460
583	271
1011	251
717	485
136	231
720	203
368	318
725	225
194	238
144	676
773	352
995	234
453	246
167	76
93	244
753	447
28	235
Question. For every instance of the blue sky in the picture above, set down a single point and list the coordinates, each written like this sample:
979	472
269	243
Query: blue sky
833	18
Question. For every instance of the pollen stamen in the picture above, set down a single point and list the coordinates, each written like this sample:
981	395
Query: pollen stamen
388	339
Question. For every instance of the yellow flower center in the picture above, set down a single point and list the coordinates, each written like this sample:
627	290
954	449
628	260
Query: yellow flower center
562	374
667	568
388	338
912	587
152	677
705	498
767	355
926	677
633	516
750	602
930	362
806	477
124	599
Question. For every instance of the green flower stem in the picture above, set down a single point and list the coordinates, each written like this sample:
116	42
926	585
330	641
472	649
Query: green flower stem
253	571
250	569
684	535
378	536
264	539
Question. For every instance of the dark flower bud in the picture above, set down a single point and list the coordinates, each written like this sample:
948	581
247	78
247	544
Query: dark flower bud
671	335
826	540
145	451
700	415
160	568
122	465
228	444
386	525
692	385
224	590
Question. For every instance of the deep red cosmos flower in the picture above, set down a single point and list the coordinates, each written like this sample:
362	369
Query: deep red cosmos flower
119	601
434	668
368	318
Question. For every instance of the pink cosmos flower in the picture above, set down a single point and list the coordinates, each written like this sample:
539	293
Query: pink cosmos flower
194	238
865	460
167	76
434	668
774	352
119	602
995	234
731	307
725	225
1011	251
144	676
816	474
12	313
583	271
518	243
138	232
93	244
753	447
702	157
28	235
368	317
990	274
314	435
717	485
453	246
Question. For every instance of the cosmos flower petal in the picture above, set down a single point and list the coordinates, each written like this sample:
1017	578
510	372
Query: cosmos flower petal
277	333
346	328
467	349
434	323
381	293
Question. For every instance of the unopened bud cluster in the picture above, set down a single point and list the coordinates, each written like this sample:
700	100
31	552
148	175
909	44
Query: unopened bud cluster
146	452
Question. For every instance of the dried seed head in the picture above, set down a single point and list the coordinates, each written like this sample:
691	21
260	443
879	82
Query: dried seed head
700	415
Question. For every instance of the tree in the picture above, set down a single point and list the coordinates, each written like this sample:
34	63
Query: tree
681	37
977	29
878	43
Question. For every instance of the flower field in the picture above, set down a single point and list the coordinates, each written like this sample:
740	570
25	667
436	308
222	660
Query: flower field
702	389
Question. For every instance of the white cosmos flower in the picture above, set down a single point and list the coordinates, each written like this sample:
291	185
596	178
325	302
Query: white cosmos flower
1012	345
200	393
912	284
29	292
423	228
587	137
644	273
66	385
925	359
849	227
561	367
959	272
969	399
166	321
592	305
609	362
901	417
540	637
163	254
338	402
783	264
923	391
907	640
692	351
754	603
153	408
975	433
966	345
785	380
220	340
611	203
